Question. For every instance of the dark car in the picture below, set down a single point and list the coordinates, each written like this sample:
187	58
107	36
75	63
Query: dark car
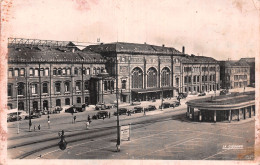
202	94
100	115
175	104
183	95
165	105
13	117
57	109
224	92
35	114
150	108
71	110
138	109
121	111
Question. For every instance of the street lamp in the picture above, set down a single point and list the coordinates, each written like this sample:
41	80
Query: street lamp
17	86
118	127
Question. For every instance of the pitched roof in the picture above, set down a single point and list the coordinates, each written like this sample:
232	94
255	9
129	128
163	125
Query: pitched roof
133	48
48	54
233	63
197	59
248	60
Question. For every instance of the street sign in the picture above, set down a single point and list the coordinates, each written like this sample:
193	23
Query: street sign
125	132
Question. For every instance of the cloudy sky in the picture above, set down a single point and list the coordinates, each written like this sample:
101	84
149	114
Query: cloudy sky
217	28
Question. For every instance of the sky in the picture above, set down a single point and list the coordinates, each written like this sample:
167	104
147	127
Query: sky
220	29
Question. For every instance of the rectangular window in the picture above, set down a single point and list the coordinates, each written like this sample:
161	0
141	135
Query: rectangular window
46	72
124	84
22	72
64	71
86	85
42	72
198	78
185	79
10	73
54	71
44	88
78	86
194	79
34	88
36	72
16	72
31	72
57	87
189	79
68	71
9	90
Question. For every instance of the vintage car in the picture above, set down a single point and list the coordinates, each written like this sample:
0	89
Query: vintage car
165	105
121	111
150	108
101	106
183	95
138	109
100	115
202	94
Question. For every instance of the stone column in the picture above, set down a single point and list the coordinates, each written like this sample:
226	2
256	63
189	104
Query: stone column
187	113
250	111
229	116
200	116
238	118
244	113
215	116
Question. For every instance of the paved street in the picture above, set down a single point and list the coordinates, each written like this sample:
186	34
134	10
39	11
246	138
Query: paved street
160	134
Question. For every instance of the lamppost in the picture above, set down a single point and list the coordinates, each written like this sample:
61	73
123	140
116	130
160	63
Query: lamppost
17	86
30	121
162	100
118	127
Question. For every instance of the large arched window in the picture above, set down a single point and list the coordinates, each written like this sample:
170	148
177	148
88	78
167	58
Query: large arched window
165	77
137	78
152	77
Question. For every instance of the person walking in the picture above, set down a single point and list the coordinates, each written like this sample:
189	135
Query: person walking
88	118
75	119
104	117
109	115
39	127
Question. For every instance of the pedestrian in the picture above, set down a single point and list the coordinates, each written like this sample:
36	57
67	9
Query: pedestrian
88	118
104	117
39	127
75	119
34	128
144	112
109	115
87	124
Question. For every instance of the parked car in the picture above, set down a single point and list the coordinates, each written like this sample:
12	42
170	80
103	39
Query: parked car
175	104
101	106
138	109
183	95
121	111
71	110
150	108
57	109
165	105
202	94
45	112
13	117
34	114
224	92
100	115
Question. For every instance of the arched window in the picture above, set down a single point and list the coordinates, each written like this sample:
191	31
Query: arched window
98	70
42	72
68	71
35	105
10	73
46	72
21	106
88	71
67	101
84	71
78	99
78	85
137	78
59	71
76	71
165	77
21	89
67	86
44	88
152	77
58	103
57	87
64	71
54	71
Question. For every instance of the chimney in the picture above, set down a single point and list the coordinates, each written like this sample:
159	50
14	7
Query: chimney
183	50
163	45
145	43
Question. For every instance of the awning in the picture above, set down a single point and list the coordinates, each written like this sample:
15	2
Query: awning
150	90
